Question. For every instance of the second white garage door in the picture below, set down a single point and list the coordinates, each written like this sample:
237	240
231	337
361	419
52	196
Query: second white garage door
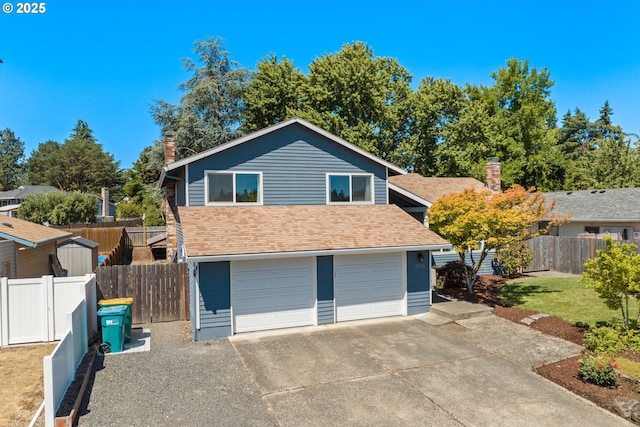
369	286
272	294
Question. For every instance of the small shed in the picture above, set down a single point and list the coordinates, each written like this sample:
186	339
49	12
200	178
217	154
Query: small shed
79	256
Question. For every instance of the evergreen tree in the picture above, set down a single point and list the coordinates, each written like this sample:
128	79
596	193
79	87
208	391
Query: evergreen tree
12	165
209	112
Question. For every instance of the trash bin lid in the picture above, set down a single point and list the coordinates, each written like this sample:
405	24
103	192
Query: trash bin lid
113	310
116	301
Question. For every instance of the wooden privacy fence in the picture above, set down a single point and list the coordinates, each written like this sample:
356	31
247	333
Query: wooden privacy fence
563	254
137	234
160	291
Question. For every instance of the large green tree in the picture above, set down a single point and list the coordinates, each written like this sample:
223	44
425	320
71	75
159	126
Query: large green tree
80	164
520	105
142	195
437	105
359	97
12	164
209	112
45	165
467	143
59	208
273	93
607	157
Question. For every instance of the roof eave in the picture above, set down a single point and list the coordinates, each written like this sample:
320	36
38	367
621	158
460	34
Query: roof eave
322	252
33	244
636	220
409	195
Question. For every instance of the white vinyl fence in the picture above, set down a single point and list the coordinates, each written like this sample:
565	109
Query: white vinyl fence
60	367
34	310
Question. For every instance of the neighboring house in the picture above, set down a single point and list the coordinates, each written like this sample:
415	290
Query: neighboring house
27	249
10	200
105	212
292	226
598	212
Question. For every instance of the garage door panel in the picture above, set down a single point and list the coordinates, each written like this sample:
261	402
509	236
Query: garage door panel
369	286
272	294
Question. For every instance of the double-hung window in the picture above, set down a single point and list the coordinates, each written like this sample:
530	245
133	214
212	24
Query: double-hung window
228	188
349	188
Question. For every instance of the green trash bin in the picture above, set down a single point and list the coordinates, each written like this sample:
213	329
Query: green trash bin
112	320
127	320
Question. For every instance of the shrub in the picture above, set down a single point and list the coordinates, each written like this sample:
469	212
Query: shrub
514	258
612	339
597	372
451	275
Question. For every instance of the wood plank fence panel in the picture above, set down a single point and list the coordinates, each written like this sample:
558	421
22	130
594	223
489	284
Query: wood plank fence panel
563	254
160	291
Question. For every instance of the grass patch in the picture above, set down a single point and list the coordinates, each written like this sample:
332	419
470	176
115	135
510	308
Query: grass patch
628	367
564	297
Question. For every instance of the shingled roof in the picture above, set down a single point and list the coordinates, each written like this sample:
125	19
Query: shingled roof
229	231
28	233
431	189
620	204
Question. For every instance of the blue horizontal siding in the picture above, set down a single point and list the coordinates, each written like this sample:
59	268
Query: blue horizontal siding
325	312
294	162
418	282
215	300
325	290
442	258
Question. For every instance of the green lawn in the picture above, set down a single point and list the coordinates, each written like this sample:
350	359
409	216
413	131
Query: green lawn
564	297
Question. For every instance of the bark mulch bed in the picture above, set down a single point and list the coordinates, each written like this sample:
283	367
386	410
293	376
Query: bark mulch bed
563	372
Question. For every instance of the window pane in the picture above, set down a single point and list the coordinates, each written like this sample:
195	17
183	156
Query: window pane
247	187
220	187
339	188
361	187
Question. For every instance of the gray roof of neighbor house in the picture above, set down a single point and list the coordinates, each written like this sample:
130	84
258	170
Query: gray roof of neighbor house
28	233
612	205
24	190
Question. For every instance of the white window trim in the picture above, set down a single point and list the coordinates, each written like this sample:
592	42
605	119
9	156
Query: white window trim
350	175
234	203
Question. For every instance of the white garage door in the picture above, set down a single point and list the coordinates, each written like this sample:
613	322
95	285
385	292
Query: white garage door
272	294
368	286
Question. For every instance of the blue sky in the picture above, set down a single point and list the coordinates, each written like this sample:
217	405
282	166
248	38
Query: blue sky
106	62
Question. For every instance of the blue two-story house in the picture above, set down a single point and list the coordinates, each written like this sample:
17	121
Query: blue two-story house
291	226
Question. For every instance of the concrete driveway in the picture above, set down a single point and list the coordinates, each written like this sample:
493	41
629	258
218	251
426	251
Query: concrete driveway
405	371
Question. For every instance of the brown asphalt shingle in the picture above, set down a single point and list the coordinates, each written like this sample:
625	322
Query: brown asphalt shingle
29	231
431	189
263	229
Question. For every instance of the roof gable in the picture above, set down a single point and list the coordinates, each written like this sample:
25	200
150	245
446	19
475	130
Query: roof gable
291	122
28	233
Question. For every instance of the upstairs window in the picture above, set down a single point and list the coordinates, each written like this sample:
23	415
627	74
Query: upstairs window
228	188
350	188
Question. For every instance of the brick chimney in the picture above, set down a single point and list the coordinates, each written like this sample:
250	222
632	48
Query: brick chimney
171	210
105	202
493	174
169	149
